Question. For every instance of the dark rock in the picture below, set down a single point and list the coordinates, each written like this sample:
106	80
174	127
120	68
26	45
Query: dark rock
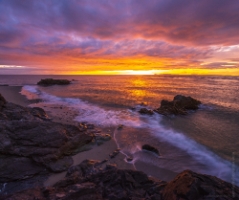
86	181
50	81
190	185
179	106
129	159
90	126
86	167
120	127
146	111
150	148
2	102
100	138
26	168
115	153
13	111
186	102
31	146
38	112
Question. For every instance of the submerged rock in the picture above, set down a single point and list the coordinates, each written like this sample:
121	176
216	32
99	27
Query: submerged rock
50	81
179	106
150	148
32	146
146	111
88	181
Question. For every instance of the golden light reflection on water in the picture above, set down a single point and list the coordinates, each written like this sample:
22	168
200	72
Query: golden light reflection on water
138	82
136	85
138	93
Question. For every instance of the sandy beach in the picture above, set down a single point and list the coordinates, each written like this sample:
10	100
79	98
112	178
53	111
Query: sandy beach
64	115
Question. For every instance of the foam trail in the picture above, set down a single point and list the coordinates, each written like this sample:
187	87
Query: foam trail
218	166
97	115
87	112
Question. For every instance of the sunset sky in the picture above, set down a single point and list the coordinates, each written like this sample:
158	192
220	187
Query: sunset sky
119	37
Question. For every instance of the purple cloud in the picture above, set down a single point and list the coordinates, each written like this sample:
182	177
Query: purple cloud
179	29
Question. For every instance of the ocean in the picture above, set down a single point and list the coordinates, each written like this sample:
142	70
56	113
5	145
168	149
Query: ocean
205	141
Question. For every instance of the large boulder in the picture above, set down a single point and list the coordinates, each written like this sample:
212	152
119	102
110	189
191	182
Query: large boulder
179	106
50	81
89	181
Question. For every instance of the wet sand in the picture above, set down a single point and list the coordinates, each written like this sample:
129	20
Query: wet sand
60	113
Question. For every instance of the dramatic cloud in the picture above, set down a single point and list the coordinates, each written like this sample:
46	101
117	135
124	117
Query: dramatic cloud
117	34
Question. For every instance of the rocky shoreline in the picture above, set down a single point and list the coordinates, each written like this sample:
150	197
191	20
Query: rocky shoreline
32	147
89	181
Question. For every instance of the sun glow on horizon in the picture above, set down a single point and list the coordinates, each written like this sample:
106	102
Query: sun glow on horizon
120	72
186	71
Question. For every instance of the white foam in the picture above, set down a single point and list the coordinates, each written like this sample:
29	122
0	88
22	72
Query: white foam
31	92
215	164
97	115
87	112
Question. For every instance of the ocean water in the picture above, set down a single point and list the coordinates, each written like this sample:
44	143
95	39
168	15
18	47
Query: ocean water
205	141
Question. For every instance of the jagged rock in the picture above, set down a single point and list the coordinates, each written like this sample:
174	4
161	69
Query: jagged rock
44	141
13	111
191	185
150	148
186	102
50	81
178	106
146	111
2	101
88	181
32	145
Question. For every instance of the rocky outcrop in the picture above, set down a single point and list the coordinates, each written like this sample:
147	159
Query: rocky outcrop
191	185
88	181
50	81
32	146
2	101
179	106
